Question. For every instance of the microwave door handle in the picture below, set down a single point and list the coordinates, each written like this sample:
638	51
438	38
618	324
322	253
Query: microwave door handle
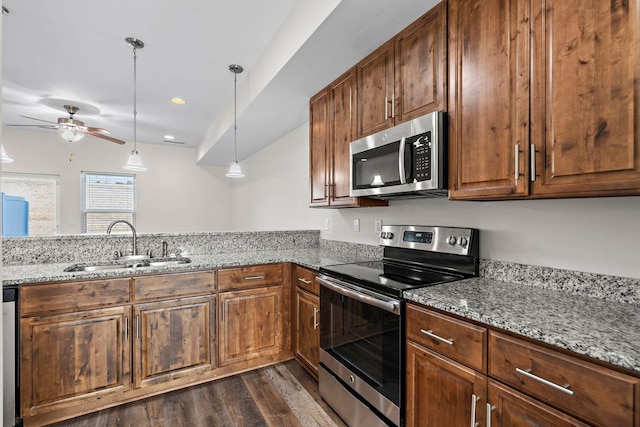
401	169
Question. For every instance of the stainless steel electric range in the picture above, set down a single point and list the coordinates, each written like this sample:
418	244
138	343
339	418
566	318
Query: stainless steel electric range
362	317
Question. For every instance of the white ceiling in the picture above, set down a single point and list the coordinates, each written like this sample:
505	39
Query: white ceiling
73	51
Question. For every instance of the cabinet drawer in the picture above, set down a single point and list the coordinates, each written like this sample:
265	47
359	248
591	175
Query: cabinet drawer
586	390
250	277
73	296
306	279
458	340
174	285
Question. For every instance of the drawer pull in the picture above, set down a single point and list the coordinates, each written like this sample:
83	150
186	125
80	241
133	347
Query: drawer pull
527	373
430	333
474	401
253	277
305	281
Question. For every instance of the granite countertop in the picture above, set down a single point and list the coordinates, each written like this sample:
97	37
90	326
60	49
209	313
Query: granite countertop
54	272
601	329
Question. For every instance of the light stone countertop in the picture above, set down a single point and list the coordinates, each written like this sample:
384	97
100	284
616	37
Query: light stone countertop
605	330
54	272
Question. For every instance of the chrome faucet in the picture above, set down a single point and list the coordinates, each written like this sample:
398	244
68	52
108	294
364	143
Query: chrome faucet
134	252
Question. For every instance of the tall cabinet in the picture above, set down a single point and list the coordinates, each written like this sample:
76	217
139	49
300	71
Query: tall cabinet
544	101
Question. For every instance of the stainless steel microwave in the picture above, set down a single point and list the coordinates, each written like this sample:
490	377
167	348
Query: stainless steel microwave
405	161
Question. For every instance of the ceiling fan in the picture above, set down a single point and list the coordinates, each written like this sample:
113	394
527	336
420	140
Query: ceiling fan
73	130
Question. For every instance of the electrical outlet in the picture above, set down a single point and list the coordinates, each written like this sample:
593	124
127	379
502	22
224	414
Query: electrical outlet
327	224
356	225
378	226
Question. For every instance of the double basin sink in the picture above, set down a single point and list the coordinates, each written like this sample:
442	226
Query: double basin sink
127	264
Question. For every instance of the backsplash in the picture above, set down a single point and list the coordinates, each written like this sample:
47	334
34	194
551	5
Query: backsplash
83	248
600	286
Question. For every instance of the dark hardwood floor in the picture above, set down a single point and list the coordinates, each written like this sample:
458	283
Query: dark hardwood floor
282	395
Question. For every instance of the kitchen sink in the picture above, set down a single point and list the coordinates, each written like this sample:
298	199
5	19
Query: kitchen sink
151	262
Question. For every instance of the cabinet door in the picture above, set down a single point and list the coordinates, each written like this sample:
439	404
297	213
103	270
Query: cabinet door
421	66
172	339
343	132
488	98
441	392
71	358
307	335
512	409
250	324
319	148
586	97
375	90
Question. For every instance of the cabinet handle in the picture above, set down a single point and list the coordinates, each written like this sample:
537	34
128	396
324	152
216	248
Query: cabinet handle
430	333
517	164
138	327
490	408
315	318
303	280
533	162
527	373
386	107
393	107
254	277
222	312
126	328
474	401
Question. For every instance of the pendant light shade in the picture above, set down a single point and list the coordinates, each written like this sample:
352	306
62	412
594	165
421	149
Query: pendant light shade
234	169
135	161
5	158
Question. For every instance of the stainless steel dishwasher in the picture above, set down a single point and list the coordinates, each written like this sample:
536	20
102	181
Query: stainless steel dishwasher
10	370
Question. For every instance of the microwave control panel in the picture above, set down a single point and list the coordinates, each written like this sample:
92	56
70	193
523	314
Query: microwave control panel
421	156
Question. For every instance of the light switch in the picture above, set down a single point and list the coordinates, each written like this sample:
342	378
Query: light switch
327	224
356	225
378	226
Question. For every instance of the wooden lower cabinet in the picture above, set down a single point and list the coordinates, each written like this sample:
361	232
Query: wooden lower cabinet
173	339
307	334
251	325
74	357
441	392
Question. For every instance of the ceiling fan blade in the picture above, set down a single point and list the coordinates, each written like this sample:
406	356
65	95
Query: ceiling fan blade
37	126
40	120
99	130
108	138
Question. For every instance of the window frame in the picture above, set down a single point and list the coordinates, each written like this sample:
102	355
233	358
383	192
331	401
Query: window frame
83	193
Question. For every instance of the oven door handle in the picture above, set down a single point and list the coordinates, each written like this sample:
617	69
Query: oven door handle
390	306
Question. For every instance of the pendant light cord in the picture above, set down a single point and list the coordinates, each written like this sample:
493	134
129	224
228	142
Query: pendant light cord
135	109
235	116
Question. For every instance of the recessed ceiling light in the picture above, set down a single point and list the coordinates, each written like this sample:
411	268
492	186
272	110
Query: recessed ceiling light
178	101
170	137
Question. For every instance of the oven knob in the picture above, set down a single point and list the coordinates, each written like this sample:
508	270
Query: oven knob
451	240
463	241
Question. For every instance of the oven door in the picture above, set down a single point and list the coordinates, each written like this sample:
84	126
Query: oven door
361	345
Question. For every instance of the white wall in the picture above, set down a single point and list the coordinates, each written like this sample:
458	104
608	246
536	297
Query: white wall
599	235
174	194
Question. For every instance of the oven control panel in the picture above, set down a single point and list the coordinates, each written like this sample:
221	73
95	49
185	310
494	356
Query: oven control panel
452	240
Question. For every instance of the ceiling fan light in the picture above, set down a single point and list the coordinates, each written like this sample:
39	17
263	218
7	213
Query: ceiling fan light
135	162
71	134
235	171
5	158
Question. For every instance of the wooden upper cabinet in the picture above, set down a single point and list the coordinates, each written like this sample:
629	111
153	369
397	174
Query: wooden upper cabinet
488	98
332	129
586	97
406	77
376	83
319	149
421	66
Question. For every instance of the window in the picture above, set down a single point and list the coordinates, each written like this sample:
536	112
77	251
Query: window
41	191
106	198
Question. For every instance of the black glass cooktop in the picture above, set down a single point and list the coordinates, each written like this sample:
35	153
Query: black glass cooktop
388	277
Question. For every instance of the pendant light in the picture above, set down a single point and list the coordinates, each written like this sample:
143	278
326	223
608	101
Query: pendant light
135	161
5	158
234	169
377	181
